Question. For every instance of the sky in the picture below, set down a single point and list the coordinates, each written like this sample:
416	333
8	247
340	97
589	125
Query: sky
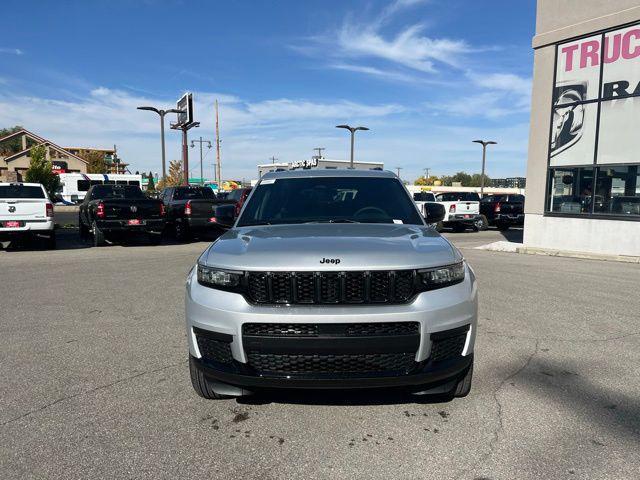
426	76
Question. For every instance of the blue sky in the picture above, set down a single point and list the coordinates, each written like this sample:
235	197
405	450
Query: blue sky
427	76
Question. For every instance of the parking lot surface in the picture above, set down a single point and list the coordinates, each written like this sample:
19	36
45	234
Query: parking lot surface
95	381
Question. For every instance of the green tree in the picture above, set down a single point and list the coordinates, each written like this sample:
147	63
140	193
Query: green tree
40	171
446	180
9	147
463	177
151	186
476	180
95	160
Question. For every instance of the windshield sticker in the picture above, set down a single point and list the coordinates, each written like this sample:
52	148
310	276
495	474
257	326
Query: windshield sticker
397	221
268	181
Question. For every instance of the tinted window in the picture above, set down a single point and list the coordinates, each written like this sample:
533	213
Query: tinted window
571	190
116	191
618	190
193	193
83	185
330	199
235	194
135	183
492	198
458	197
21	191
121	182
96	182
424	197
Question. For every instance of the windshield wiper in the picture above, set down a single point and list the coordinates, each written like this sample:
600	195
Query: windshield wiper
339	220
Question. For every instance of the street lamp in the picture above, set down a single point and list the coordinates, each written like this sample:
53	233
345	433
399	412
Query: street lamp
353	131
162	113
484	144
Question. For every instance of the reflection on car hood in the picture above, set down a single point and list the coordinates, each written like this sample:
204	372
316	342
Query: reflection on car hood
356	246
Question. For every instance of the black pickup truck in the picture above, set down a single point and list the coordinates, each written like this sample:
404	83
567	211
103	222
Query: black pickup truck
110	210
503	210
195	209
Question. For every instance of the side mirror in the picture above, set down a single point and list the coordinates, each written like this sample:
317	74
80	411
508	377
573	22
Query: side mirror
225	215
433	212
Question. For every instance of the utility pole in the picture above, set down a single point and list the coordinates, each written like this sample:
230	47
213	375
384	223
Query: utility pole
218	169
319	150
426	173
398	170
193	144
273	159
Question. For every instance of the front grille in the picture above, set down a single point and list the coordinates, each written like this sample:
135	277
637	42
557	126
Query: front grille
330	329
212	349
394	286
284	364
448	348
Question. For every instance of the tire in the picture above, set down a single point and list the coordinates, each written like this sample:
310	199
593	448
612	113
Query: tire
98	235
201	385
481	224
464	385
182	232
154	238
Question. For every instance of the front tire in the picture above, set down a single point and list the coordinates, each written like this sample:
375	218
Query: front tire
98	235
201	385
481	224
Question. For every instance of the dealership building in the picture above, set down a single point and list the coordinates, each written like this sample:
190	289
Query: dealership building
583	172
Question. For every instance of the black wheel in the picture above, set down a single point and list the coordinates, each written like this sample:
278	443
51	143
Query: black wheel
155	238
182	232
98	235
201	385
464	385
459	227
503	227
480	224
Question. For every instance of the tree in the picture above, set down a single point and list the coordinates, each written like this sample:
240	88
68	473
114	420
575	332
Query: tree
426	181
40	171
175	177
463	177
151	187
476	180
95	159
12	146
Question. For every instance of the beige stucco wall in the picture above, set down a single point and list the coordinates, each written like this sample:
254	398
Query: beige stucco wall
23	163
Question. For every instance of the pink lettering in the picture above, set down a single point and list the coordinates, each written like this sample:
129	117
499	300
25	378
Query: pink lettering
610	57
589	50
568	51
627	53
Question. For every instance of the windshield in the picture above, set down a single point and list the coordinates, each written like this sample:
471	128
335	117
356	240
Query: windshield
193	193
330	199
116	191
459	197
21	191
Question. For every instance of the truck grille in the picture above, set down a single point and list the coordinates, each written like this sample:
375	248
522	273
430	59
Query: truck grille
266	363
341	329
395	286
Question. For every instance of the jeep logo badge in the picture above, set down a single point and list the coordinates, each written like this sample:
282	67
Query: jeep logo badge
335	261
12	209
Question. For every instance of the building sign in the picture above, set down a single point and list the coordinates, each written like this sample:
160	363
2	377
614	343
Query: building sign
597	88
304	164
59	166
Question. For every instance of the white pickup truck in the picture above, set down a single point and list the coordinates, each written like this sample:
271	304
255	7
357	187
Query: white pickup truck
462	210
26	211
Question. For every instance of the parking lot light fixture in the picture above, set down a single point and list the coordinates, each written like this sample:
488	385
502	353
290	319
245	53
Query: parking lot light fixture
352	130
161	113
484	144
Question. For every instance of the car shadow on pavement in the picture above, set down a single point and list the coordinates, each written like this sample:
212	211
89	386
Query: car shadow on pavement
608	410
359	397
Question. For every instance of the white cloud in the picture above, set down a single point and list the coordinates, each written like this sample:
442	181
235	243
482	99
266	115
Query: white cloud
11	51
507	82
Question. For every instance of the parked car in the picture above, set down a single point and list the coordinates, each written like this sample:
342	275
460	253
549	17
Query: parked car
239	196
421	198
462	211
195	209
325	283
503	210
120	210
26	212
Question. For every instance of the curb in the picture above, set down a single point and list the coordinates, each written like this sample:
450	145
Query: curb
583	255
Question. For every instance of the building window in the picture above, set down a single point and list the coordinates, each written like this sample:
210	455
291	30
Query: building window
593	143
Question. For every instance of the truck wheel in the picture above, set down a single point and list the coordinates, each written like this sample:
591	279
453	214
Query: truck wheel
182	232
481	224
98	235
155	238
464	385
201	385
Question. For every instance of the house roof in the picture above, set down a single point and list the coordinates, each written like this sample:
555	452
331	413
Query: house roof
41	141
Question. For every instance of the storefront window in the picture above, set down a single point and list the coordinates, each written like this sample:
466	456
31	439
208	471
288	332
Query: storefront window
618	191
571	190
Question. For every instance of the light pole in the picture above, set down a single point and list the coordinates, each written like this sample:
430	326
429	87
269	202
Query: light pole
162	113
484	144
353	131
193	144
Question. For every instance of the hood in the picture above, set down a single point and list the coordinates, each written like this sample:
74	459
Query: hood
330	247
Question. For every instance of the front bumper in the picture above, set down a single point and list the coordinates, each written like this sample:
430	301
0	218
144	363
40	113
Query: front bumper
223	314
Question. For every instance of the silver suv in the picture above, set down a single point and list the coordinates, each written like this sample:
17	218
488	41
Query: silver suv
331	279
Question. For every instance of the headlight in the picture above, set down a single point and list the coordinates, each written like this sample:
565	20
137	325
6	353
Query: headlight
441	276
217	278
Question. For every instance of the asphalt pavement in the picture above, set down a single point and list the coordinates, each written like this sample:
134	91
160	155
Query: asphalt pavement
95	381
